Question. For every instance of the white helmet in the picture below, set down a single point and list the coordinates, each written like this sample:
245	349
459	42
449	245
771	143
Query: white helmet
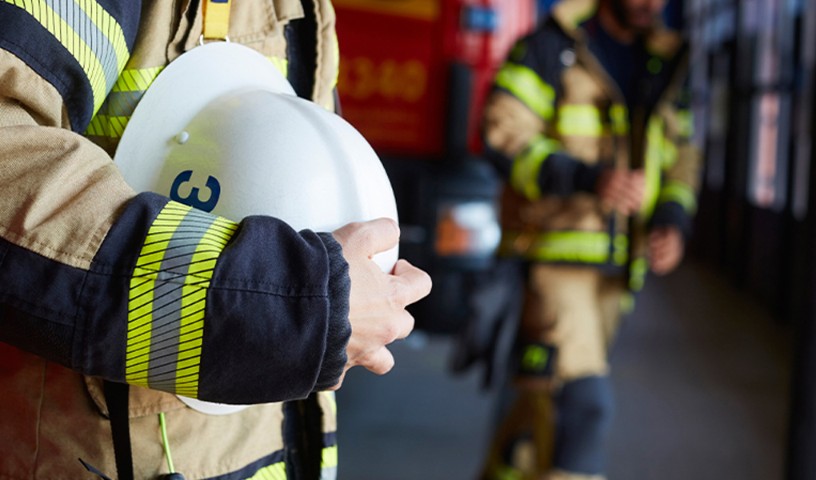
222	130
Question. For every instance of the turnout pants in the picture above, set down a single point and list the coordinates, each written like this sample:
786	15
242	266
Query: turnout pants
555	427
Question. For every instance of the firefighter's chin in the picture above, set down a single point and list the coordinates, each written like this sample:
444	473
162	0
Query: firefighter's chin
641	20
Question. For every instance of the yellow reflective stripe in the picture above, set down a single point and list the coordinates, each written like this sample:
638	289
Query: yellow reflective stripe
620	249
619	115
504	472
142	286
681	193
168	293
669	154
276	471
535	357
216	19
524	172
330	457
528	87
637	274
569	246
627	303
685	120
114	115
112	126
653	164
580	120
75	24
136	79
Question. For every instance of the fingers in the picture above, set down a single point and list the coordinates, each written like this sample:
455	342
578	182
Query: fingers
380	362
416	284
622	191
368	238
665	250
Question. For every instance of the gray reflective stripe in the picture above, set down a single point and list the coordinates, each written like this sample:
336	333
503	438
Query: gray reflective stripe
165	334
168	293
112	118
328	469
328	473
75	17
165	339
121	104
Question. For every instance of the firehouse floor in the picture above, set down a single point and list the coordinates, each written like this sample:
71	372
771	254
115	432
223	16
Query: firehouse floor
701	375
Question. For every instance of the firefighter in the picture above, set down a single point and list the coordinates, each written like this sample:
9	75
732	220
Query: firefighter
220	311
589	122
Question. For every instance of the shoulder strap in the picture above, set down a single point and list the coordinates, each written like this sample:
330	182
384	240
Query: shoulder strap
116	397
301	50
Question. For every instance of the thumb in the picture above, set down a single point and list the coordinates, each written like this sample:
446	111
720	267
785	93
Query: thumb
368	238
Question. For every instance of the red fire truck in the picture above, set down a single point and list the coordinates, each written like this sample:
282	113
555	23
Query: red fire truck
413	78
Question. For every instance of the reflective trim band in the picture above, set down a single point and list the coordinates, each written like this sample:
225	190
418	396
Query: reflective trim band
669	154
680	193
168	293
328	466
276	471
637	274
114	114
107	126
537	359
504	472
528	87
216	19
619	115
580	121
653	164
685	120
568	247
627	303
526	166
89	33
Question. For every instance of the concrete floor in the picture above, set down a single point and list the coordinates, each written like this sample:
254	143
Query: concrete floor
701	376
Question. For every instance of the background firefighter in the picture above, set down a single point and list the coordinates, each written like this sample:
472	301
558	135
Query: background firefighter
589	124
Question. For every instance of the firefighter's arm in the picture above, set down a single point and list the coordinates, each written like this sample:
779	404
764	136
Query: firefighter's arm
517	115
671	221
677	201
135	288
533	163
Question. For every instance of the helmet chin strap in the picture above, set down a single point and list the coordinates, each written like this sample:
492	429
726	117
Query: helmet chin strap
216	20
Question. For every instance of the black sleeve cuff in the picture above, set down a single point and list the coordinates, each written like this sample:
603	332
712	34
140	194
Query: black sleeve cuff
671	214
339	329
564	175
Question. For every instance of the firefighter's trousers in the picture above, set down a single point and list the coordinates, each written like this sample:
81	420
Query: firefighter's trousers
564	414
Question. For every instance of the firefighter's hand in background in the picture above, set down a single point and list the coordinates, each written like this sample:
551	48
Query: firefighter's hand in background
377	305
621	191
666	248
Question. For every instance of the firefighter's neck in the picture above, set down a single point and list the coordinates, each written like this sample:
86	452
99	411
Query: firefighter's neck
613	25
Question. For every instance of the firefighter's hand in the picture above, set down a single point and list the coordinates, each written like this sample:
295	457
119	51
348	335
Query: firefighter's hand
621	191
377	305
666	247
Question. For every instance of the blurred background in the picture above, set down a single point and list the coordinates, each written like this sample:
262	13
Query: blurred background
715	372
